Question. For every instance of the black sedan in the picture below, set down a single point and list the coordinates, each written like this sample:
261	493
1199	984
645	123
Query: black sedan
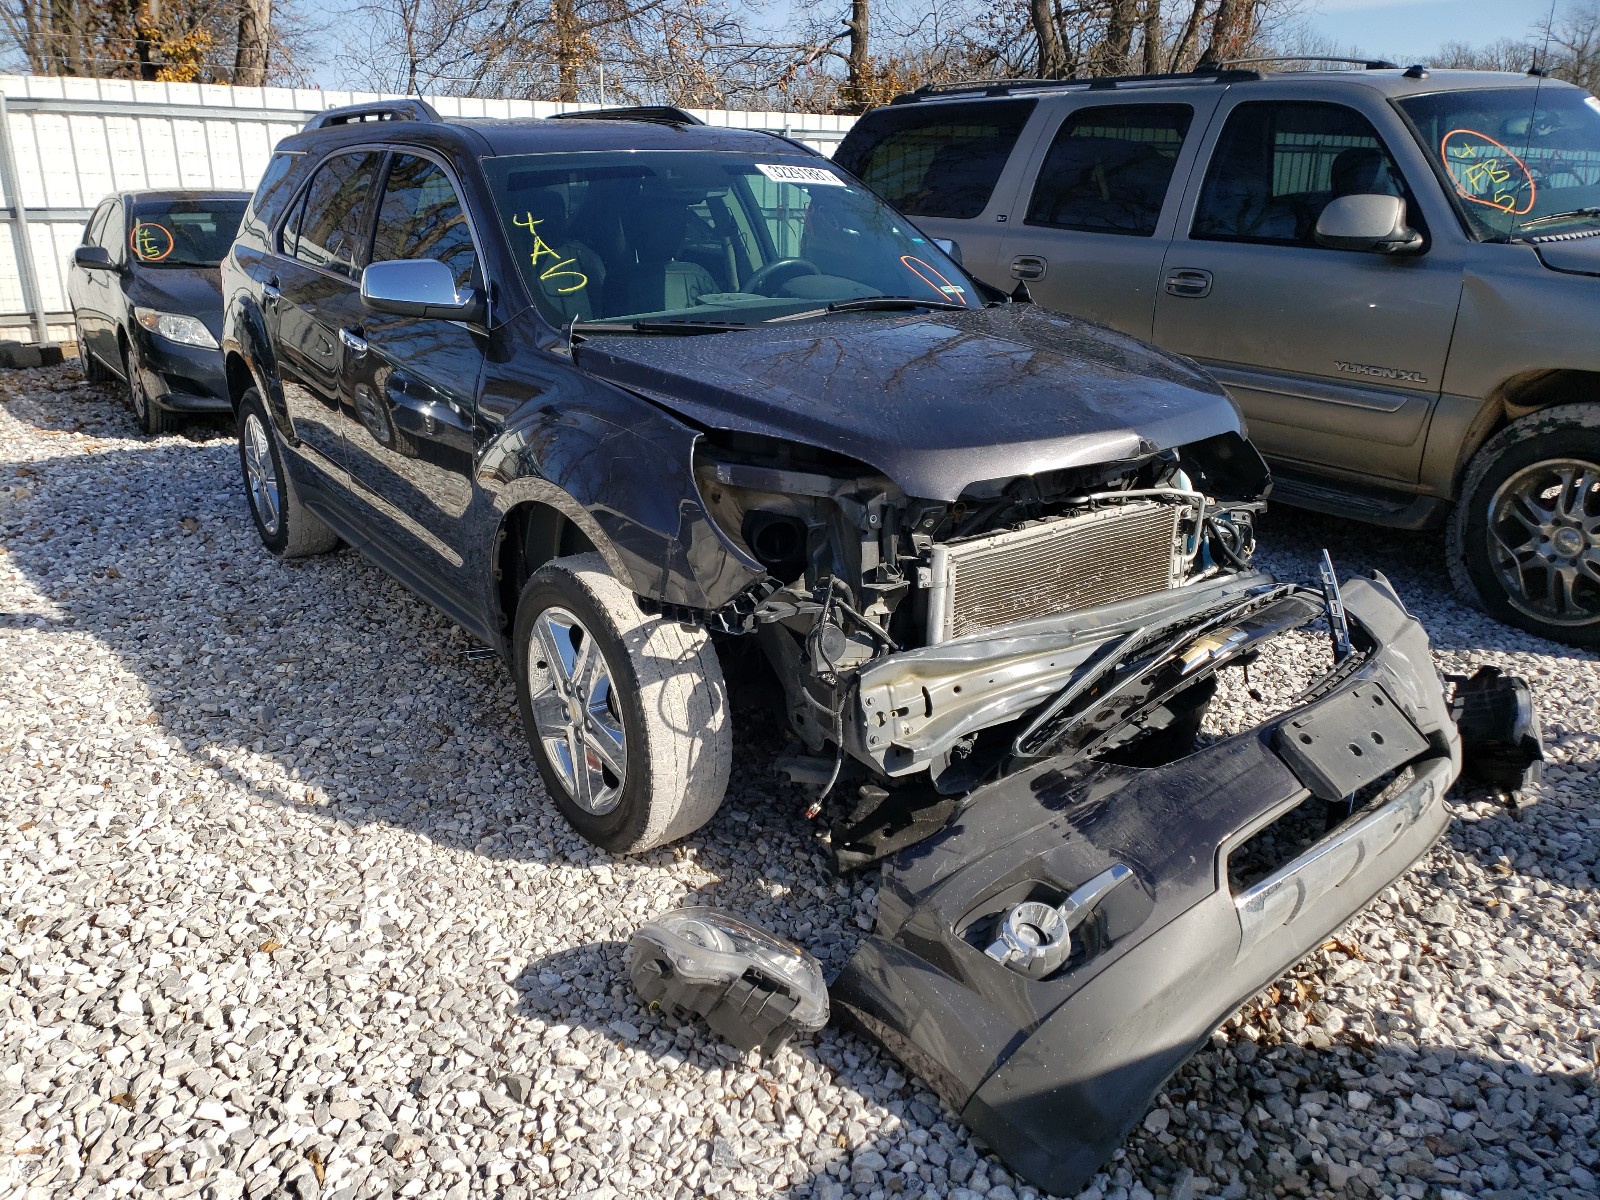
147	298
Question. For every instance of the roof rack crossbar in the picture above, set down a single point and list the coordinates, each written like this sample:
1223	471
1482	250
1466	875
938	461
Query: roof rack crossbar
406	109
664	114
1370	64
1007	86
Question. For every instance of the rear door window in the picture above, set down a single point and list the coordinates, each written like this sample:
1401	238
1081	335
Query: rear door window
335	218
1277	164
1108	169
936	160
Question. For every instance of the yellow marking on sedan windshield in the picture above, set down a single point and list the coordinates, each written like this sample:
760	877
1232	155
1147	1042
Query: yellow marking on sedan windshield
542	249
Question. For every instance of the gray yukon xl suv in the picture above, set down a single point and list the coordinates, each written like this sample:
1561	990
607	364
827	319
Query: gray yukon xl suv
1392	271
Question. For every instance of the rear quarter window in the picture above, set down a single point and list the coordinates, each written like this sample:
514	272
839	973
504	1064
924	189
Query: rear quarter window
935	160
272	194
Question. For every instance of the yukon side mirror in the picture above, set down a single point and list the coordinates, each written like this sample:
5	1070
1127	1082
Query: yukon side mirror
93	257
1372	223
418	287
951	247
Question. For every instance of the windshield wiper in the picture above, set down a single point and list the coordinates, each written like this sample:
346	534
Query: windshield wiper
888	303
1592	211
659	325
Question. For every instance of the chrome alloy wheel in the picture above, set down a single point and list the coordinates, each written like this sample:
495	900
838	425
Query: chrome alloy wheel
261	475
1544	530
575	711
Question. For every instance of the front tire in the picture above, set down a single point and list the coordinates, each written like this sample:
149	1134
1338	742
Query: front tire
627	714
94	370
286	526
153	420
1524	538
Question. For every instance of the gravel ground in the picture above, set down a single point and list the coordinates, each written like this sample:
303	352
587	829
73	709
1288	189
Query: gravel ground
286	912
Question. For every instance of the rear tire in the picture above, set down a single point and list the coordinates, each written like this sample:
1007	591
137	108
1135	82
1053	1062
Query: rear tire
1524	537
286	526
634	746
153	420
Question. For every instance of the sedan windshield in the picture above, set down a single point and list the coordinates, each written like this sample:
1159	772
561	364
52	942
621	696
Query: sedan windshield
712	239
184	233
1520	160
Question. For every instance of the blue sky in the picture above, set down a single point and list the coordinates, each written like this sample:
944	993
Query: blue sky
1410	29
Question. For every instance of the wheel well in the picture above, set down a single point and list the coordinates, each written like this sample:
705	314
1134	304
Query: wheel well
530	536
240	380
1523	394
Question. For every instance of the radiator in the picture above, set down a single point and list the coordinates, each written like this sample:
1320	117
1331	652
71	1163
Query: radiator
1055	566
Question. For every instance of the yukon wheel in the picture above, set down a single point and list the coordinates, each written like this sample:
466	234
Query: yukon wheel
286	526
152	420
627	714
1524	539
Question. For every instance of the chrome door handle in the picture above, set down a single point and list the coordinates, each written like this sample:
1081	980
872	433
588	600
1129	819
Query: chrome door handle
270	295
1189	283
1028	266
353	342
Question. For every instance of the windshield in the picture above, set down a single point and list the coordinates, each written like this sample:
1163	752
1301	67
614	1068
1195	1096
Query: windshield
184	233
707	237
1513	161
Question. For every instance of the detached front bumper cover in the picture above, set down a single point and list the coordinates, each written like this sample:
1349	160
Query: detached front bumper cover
1051	1067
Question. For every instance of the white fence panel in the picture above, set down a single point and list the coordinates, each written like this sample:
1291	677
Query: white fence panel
75	141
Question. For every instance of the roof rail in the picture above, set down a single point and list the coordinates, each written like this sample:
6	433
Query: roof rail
409	109
664	114
1006	87
1370	64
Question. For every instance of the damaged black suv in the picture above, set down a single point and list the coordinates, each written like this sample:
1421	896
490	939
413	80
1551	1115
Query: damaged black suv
605	389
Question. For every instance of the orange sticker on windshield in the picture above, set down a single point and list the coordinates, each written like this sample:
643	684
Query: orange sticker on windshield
931	276
1485	172
149	241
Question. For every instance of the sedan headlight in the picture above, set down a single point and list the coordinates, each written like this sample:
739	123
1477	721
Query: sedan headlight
176	327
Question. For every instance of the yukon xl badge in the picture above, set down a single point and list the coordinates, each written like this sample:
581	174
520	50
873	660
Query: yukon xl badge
1350	368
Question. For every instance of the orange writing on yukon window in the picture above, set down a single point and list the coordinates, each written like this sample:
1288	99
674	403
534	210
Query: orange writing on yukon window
560	268
151	242
1485	172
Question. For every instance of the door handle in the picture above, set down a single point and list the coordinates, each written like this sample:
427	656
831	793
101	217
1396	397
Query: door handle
270	295
353	341
1028	266
1189	283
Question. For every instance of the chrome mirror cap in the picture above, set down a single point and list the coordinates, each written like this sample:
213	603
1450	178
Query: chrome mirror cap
417	287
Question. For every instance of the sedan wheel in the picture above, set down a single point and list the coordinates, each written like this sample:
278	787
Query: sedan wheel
152	419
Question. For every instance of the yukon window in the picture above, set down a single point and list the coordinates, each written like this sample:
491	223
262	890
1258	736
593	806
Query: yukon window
330	229
936	160
1276	167
1109	168
1514	159
421	217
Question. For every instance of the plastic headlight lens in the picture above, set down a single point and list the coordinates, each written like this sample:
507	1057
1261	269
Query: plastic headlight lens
175	327
707	944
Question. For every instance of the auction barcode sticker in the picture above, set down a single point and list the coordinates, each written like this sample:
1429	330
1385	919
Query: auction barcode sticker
785	173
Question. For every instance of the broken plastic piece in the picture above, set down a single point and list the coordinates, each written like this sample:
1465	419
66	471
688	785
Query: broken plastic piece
750	987
1502	744
1333	601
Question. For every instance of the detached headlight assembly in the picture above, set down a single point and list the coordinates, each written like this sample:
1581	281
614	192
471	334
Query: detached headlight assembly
750	987
176	327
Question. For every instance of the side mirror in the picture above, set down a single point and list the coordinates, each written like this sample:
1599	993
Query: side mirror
418	287
92	256
1372	223
951	247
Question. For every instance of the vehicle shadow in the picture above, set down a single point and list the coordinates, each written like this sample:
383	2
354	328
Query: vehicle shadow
60	400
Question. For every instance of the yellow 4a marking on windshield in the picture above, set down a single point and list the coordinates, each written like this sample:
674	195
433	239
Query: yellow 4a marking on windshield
558	270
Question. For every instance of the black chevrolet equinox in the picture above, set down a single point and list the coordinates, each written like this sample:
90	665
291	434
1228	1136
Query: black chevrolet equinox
618	389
